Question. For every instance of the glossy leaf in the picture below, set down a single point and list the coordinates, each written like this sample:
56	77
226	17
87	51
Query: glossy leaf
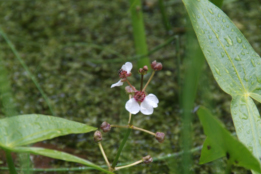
26	129
57	155
220	143
235	65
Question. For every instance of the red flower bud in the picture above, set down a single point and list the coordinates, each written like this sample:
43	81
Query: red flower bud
153	64
156	66
106	127
97	136
141	71
147	159
160	136
145	68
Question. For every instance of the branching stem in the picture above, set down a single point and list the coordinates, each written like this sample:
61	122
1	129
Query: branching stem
149	81
104	156
129	165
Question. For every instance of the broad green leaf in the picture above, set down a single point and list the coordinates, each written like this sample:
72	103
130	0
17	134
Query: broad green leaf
220	143
57	155
26	129
235	65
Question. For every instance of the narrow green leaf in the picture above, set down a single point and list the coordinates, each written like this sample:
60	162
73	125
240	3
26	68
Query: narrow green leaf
57	155
235	65
220	142
139	32
27	129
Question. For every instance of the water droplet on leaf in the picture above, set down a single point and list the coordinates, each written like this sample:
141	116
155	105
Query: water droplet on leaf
237	58
239	40
253	62
217	70
229	41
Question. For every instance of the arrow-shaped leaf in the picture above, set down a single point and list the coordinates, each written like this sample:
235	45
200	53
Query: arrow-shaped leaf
219	143
235	65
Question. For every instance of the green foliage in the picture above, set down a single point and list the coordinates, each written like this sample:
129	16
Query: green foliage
235	65
27	129
57	155
220	142
139	32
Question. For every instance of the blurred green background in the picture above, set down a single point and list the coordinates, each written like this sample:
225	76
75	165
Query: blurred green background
75	48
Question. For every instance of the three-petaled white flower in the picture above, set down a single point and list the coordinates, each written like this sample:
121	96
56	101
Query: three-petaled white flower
143	103
124	72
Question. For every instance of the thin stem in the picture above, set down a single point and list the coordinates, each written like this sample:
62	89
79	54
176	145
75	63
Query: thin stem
141	82
139	32
228	168
10	44
164	16
129	165
179	65
118	126
140	129
104	155
130	85
149	81
135	128
127	134
129	122
10	162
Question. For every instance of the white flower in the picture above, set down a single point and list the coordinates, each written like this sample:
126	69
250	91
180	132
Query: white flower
124	72
142	103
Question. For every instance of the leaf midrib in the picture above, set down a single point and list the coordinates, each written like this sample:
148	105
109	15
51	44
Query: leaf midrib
225	51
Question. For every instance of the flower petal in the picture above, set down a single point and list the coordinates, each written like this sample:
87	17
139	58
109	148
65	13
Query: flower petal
132	106
145	107
127	67
119	83
152	100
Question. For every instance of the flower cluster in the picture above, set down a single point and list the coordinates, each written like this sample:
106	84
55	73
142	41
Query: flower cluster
139	101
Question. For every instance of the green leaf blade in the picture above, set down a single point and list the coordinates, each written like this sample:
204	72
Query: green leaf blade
247	123
26	129
220	141
57	155
234	63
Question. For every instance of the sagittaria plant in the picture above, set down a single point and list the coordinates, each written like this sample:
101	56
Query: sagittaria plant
18	131
139	100
235	66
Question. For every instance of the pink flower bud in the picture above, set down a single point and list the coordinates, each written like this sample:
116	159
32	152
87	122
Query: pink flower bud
141	71
129	89
160	136
97	136
156	66
147	159
153	64
106	127
145	68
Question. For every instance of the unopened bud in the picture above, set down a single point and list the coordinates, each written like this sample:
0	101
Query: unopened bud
145	68
141	71
129	89
156	66
153	63
106	127
160	136
147	159
97	136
